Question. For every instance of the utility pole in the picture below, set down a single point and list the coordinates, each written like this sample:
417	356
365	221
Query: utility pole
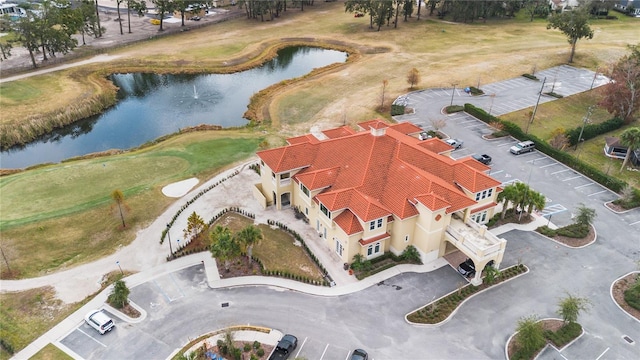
169	236
453	93
585	120
533	114
594	79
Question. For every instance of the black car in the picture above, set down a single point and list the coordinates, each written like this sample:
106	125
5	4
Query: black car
484	158
468	268
359	354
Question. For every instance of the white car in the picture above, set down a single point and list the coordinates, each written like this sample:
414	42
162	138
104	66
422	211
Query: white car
457	144
99	321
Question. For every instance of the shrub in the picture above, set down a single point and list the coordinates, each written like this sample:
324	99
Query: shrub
546	231
260	352
565	334
454	109
576	231
411	254
256	345
475	91
246	347
632	295
155	21
532	77
555	95
397	110
592	130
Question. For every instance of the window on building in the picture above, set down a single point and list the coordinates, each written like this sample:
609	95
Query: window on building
325	211
338	247
304	189
376	248
372	225
285	176
373	249
306	211
406	238
379	223
484	194
369	250
480	217
375	224
273	175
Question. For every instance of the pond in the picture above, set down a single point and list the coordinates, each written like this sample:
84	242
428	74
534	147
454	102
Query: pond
152	105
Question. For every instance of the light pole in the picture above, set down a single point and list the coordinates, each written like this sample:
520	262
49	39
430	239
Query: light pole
594	79
118	263
453	93
585	120
535	108
493	96
169	237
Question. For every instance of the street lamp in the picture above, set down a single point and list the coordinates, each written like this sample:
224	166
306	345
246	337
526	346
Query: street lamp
585	120
169	237
118	263
452	93
594	79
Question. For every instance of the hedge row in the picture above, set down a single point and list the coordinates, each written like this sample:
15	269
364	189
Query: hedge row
592	130
514	130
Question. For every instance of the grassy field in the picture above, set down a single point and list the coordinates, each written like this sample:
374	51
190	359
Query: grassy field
51	352
63	215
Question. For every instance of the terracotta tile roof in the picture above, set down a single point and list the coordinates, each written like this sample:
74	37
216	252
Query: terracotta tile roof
338	132
348	223
377	176
319	179
407	128
302	139
376	124
469	161
365	242
487	206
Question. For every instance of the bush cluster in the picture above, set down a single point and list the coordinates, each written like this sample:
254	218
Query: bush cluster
397	110
530	76
592	130
575	231
475	91
564	335
632	294
454	109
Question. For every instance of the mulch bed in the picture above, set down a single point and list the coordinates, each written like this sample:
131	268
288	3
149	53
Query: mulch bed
577	242
239	267
130	311
619	287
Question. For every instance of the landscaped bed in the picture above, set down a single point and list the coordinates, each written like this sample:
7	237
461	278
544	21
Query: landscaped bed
440	310
556	333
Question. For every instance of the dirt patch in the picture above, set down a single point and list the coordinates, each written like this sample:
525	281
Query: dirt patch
130	311
239	267
619	287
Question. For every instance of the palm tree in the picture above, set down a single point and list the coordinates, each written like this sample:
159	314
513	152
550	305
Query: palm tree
506	196
118	197
250	236
536	201
631	139
224	246
522	191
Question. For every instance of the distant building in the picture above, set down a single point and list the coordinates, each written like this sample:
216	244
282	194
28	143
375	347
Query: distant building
613	149
11	9
381	189
632	7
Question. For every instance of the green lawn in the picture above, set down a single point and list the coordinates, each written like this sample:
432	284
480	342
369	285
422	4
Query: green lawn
63	214
51	352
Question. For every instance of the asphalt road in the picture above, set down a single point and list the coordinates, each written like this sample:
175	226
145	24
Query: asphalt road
180	306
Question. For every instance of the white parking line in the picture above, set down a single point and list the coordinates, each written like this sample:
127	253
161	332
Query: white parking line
604	352
633	223
301	346
324	352
92	338
534	160
541	167
599	192
585	185
575	177
561	171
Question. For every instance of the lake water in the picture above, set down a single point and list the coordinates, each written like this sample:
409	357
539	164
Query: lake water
152	105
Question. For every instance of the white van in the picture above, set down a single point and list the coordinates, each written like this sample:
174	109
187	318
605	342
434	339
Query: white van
99	321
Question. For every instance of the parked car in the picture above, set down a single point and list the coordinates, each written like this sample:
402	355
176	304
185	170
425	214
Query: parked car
468	269
99	321
484	158
359	354
523	147
424	136
456	143
195	18
284	348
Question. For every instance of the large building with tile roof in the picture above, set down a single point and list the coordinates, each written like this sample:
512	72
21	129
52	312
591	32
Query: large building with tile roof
382	189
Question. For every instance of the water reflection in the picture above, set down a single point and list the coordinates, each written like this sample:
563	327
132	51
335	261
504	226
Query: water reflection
152	105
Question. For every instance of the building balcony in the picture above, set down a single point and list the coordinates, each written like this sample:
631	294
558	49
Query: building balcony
475	241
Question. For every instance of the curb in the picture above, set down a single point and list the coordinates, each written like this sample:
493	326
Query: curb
614	300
